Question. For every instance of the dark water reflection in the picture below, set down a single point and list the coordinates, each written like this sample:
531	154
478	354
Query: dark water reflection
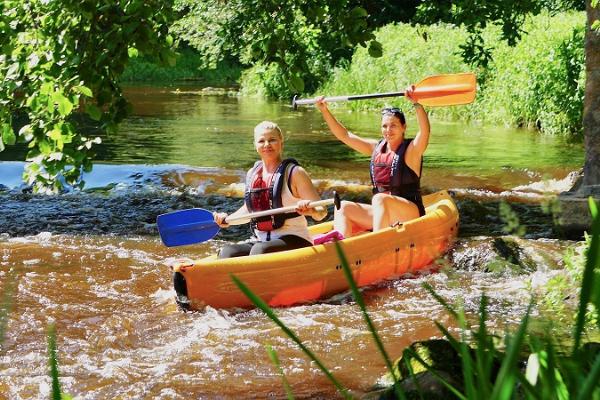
92	263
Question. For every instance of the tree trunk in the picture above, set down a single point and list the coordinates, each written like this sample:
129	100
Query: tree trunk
591	107
574	216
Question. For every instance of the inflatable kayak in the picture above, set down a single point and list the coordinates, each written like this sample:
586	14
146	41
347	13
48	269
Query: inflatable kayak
310	273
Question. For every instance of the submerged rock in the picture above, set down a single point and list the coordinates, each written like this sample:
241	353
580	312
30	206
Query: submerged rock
499	254
94	213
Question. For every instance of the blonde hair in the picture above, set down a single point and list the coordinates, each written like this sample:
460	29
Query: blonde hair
268	126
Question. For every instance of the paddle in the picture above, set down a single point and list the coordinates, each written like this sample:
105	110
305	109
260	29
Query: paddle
197	225
437	90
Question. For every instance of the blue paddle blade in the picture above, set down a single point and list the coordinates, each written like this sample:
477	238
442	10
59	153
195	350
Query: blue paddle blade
183	227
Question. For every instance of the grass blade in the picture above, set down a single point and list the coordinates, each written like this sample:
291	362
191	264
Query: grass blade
505	381
275	360
53	360
259	303
442	301
460	346
430	369
484	352
6	303
359	300
591	381
588	285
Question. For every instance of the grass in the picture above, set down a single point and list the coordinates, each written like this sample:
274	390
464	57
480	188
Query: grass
523	366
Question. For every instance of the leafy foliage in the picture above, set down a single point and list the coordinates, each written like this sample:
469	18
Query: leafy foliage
302	39
537	83
477	15
60	58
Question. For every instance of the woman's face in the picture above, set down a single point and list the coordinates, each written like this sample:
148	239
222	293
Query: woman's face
392	129
269	144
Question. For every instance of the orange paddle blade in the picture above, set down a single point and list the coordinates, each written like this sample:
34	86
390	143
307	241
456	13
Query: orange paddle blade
446	90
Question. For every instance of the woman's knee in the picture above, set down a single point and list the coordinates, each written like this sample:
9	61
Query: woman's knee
380	200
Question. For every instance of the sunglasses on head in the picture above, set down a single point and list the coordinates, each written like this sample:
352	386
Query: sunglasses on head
392	110
395	111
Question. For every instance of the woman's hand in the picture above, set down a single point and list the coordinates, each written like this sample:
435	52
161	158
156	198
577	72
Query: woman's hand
220	219
317	213
409	94
303	208
320	103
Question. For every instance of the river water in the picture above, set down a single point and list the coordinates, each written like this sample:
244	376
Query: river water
91	261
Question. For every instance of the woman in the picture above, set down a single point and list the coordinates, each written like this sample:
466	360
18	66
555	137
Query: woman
396	165
272	183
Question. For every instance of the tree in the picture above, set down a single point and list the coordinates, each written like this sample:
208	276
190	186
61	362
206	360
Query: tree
509	14
304	39
60	59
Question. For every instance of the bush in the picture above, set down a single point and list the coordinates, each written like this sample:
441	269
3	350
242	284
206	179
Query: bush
538	83
189	67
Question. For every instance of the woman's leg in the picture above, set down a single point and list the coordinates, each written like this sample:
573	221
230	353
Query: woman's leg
352	215
235	250
286	242
388	209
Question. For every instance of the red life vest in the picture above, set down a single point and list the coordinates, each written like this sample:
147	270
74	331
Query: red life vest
260	195
390	174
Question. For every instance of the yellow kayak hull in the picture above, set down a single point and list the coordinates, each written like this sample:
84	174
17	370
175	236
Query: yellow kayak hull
307	274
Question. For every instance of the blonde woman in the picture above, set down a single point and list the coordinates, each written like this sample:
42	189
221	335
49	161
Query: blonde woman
274	182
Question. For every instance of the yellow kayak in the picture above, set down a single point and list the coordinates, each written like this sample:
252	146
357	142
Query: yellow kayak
310	273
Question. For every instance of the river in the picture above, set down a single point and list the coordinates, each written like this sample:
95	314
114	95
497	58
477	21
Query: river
91	261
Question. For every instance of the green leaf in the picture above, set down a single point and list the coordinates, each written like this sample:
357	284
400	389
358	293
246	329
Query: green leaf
358	12
375	49
84	90
8	135
133	52
64	104
93	111
45	147
55	134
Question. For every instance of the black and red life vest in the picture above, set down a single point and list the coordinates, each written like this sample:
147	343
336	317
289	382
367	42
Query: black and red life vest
390	174
260	195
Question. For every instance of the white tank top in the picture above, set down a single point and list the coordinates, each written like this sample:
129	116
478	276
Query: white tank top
291	226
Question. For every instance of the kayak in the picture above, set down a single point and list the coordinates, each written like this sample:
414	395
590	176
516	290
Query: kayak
311	273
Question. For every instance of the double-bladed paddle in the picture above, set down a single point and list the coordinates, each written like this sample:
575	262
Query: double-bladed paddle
197	225
436	90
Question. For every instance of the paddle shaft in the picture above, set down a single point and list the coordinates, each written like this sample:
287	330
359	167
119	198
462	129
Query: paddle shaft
349	98
437	90
244	218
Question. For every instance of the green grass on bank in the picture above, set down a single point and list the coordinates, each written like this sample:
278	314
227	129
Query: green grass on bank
538	83
189	67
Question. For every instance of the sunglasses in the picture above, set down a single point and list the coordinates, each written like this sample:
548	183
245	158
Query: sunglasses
396	112
392	110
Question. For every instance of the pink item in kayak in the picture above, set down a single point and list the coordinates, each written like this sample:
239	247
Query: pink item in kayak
328	237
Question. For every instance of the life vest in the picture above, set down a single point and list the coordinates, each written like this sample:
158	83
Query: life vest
390	174
260	195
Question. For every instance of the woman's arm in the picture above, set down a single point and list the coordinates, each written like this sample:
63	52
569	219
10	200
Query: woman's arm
421	140
364	146
303	188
